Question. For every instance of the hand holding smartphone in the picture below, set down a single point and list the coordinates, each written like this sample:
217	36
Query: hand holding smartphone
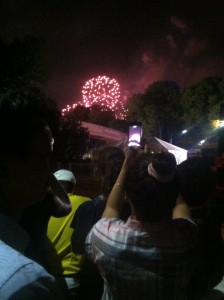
134	134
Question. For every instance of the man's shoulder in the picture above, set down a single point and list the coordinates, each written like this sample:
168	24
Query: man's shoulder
88	213
13	262
168	235
92	207
78	198
19	273
74	196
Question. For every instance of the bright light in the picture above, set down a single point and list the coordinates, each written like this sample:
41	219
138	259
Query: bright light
201	142
184	131
218	123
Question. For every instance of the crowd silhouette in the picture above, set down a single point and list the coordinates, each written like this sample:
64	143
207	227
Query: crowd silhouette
156	231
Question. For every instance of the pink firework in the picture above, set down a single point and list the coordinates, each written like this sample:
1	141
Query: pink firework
104	92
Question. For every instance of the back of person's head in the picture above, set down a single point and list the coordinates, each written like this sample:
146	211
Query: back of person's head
164	163
108	161
152	186
21	115
197	181
66	179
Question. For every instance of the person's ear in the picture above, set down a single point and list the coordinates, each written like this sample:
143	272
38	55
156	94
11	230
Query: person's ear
222	231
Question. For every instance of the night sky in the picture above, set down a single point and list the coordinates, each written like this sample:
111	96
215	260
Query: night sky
135	42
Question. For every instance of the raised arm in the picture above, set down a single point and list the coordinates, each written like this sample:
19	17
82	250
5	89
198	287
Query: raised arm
117	195
61	205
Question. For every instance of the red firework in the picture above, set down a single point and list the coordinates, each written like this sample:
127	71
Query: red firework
104	92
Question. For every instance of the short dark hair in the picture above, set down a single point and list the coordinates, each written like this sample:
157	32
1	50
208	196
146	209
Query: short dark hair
164	163
197	180
21	113
151	199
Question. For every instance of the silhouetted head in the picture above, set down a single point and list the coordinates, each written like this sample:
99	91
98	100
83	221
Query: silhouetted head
26	124
67	180
21	116
197	181
152	186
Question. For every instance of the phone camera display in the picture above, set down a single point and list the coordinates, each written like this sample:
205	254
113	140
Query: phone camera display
135	134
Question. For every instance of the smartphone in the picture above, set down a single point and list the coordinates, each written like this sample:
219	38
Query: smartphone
134	133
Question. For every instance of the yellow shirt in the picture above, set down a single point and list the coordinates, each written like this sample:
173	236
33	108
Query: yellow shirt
61	259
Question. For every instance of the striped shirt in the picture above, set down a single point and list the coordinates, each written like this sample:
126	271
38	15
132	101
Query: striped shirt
143	260
20	277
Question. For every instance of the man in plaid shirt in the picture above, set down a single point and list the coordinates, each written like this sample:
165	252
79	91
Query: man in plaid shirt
152	255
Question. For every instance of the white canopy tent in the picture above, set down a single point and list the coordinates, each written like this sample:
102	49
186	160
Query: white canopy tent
156	145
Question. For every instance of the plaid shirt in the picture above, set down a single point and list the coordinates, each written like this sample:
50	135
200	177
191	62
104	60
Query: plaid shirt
143	261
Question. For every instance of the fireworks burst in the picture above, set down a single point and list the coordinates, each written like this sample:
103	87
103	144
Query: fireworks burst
104	92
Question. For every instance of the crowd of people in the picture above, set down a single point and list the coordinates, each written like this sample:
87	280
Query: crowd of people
156	231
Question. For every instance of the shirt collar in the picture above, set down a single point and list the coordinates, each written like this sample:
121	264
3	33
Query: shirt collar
145	226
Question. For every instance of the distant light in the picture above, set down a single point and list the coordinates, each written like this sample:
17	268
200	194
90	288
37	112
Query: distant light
201	142
184	131
218	123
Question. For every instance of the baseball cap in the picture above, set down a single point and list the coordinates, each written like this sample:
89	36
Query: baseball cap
65	175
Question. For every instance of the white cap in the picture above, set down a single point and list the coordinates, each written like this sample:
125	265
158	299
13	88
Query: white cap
65	175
